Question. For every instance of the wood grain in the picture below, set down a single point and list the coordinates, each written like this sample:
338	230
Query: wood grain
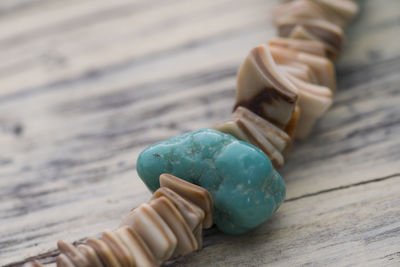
348	227
86	85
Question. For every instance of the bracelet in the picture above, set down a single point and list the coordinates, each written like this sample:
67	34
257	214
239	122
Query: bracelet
226	175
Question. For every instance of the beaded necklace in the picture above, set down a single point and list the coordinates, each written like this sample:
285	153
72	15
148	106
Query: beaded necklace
227	174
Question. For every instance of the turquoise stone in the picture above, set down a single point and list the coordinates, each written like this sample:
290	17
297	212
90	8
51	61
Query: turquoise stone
245	188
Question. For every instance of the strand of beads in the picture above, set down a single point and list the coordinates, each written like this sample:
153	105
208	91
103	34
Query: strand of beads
170	225
283	88
286	85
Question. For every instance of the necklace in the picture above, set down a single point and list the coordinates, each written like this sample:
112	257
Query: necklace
228	175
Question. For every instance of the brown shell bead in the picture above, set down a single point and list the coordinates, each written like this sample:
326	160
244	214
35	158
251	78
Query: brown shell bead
168	226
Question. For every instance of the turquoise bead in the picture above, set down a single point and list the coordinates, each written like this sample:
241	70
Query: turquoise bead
245	188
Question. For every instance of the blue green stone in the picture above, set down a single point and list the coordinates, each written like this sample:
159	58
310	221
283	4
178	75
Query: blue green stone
245	188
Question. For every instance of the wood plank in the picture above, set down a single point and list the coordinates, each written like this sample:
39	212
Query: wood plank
59	58
70	133
356	226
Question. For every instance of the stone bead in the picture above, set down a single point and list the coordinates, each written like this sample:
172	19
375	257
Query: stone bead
245	188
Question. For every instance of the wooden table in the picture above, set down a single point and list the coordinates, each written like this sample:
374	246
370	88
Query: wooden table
87	84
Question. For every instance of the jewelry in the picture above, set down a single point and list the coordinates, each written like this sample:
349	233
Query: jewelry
283	88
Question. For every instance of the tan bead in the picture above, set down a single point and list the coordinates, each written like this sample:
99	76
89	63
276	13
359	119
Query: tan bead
259	140
194	193
193	215
346	9
90	255
104	252
301	33
119	249
139	251
299	70
314	101
153	230
322	67
186	241
74	255
64	261
275	135
263	89
307	46
321	30
231	127
306	9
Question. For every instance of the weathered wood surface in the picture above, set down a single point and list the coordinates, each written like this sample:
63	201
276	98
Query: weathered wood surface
86	85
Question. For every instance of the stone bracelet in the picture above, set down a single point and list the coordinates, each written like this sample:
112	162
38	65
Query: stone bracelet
283	88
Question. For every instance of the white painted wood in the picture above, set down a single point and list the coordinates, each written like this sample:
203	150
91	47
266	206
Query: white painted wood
79	101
